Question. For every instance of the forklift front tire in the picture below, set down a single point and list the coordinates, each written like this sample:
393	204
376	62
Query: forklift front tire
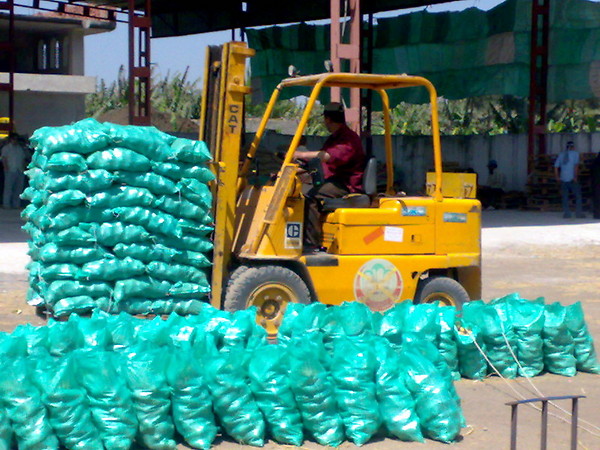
270	288
447	291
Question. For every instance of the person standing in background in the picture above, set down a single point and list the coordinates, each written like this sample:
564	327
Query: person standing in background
13	158
596	185
566	169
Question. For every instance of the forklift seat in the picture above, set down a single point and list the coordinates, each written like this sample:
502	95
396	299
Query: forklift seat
357	200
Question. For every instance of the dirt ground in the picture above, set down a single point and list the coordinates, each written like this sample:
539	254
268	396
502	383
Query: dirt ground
535	254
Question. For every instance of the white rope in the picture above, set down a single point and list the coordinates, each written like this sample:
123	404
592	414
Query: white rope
522	397
540	393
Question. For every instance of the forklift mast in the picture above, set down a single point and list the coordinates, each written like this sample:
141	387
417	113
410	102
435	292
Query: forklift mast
221	127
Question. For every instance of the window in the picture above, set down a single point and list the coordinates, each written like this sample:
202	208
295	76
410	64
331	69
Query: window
50	57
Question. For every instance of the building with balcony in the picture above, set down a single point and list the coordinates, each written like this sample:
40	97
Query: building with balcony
49	82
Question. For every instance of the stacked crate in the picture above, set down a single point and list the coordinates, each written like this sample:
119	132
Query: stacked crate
543	191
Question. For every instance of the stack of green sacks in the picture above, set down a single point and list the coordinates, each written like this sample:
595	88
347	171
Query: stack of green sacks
119	219
118	382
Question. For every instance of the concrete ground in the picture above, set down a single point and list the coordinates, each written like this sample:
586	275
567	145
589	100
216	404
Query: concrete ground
533	253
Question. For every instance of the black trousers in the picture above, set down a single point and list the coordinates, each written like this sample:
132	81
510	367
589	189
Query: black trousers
313	233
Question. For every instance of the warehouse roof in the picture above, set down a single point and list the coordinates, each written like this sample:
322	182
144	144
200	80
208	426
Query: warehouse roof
177	18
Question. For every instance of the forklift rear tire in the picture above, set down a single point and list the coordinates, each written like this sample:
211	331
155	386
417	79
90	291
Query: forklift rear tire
447	291
269	288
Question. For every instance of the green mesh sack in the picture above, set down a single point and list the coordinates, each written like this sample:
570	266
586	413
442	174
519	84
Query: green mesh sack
585	353
471	362
146	377
154	182
149	141
559	347
233	403
528	322
170	169
196	192
37	178
243	332
74	236
94	331
155	332
496	330
111	234
111	269
58	290
64	199
122	330
66	402
88	182
192	243
201	173
313	390
84	137
35	196
194	152
396	405
144	253
182	289
36	337
64	337
290	316
415	343
59	272
176	272
392	322
39	217
12	346
423	320
194	258
191	401
74	216
268	371
108	396
118	159
121	196
180	207
438	413
140	287
66	162
353	370
155	222
354	319
446	343
194	228
6	432
38	160
23	404
76	304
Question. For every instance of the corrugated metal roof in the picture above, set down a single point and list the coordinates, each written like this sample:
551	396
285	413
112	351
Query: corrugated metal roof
177	18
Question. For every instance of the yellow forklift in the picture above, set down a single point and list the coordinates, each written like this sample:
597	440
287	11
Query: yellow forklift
380	247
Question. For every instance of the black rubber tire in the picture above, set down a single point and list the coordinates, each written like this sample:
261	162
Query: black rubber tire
244	280
443	285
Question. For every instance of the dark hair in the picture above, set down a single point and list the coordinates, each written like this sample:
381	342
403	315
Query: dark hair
335	112
570	144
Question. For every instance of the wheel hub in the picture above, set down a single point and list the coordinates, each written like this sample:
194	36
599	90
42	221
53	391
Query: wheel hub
442	297
271	300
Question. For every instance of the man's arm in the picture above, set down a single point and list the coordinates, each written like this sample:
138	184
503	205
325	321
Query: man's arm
306	156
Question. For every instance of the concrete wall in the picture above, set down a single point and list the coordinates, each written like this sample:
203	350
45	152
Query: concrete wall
413	156
36	109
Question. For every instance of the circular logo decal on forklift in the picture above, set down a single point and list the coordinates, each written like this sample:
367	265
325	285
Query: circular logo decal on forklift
378	284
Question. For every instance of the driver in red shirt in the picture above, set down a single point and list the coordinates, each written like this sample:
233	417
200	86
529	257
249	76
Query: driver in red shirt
343	160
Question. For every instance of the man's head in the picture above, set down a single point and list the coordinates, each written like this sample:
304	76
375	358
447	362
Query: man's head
334	116
570	145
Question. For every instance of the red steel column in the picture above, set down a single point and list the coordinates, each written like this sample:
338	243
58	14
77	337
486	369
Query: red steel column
350	51
8	47
139	64
538	82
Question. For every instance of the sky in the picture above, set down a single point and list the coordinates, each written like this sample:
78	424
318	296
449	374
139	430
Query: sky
106	52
